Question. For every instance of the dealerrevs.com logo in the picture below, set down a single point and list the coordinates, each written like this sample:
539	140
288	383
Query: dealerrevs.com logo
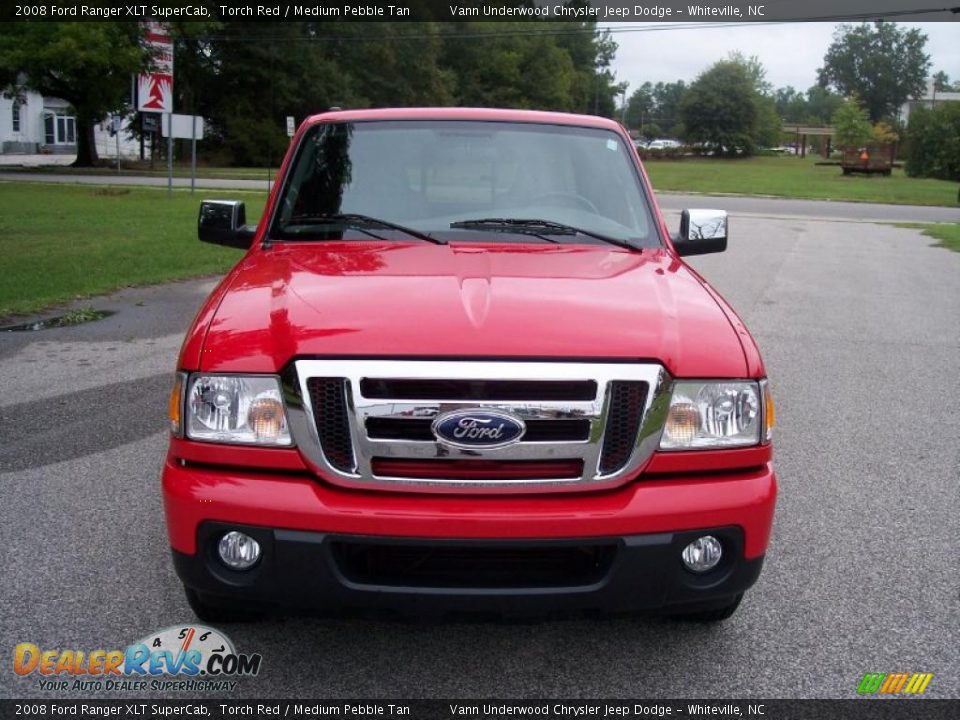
184	658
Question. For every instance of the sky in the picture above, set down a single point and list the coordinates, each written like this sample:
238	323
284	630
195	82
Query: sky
790	52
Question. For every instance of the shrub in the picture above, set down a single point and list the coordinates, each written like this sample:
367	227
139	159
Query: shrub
852	125
933	137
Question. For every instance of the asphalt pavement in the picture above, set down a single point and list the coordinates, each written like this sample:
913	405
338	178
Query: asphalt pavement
858	326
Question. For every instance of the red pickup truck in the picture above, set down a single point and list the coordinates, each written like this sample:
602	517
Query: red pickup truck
462	366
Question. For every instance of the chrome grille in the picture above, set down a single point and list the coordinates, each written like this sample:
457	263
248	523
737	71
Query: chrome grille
623	424
437	389
328	397
357	421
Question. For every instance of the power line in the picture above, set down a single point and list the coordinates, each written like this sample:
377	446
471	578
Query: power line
561	31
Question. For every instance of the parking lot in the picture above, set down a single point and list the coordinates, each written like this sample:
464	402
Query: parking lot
859	327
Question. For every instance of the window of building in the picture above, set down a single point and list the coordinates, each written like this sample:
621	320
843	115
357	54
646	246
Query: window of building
59	128
15	109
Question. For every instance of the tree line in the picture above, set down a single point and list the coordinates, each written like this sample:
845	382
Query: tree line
246	78
731	107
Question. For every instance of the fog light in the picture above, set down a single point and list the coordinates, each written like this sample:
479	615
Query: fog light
238	551
702	554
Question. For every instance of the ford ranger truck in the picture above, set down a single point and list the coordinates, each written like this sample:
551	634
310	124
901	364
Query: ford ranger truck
463	367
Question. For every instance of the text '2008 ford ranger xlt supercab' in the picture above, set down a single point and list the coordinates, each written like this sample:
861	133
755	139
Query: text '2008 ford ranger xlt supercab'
462	366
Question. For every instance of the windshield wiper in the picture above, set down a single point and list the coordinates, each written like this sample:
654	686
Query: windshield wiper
535	227
360	222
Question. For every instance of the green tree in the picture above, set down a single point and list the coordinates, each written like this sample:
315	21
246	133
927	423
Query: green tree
769	128
822	103
851	124
790	104
882	64
254	75
652	130
668	98
815	107
88	64
396	72
592	52
941	82
724	110
503	64
247	77
640	107
755	69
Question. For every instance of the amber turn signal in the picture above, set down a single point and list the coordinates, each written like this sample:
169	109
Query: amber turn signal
175	406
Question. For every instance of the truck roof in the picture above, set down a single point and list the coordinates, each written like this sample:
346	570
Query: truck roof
457	113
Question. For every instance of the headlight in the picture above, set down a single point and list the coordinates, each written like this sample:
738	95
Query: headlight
236	409
705	415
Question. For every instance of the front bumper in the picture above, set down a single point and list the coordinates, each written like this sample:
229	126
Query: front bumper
328	548
329	572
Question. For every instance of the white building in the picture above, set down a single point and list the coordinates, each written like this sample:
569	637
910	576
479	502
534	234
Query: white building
46	125
930	100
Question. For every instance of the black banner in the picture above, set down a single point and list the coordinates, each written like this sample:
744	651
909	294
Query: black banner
856	709
668	11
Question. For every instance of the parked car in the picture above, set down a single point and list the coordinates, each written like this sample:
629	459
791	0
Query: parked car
664	144
463	365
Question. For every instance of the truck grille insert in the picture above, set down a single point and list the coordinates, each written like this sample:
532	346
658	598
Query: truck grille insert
429	389
527	426
462	566
623	424
329	399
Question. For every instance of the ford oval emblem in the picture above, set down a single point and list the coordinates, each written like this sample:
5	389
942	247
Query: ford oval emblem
478	429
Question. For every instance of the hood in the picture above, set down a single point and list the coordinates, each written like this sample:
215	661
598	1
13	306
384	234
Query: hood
453	301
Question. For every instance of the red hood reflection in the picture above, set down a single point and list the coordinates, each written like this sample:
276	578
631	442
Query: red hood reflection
491	300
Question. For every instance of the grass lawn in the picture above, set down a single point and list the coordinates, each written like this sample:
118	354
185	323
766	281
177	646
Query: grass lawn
798	178
778	176
180	170
60	242
947	233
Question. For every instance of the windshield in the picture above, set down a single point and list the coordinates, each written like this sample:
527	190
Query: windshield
437	178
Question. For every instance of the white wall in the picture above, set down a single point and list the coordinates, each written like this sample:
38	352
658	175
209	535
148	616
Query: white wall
31	120
32	129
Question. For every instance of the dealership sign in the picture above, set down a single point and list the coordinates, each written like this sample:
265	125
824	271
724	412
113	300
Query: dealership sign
155	89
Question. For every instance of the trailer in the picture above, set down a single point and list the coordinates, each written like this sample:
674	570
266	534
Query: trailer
868	160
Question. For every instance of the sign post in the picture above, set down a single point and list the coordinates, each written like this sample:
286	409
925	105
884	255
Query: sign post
169	157
186	127
149	124
116	122
193	153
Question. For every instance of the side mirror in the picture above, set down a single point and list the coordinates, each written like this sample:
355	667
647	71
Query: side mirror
701	232
223	222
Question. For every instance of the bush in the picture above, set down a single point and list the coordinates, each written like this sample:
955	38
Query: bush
933	138
851	125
